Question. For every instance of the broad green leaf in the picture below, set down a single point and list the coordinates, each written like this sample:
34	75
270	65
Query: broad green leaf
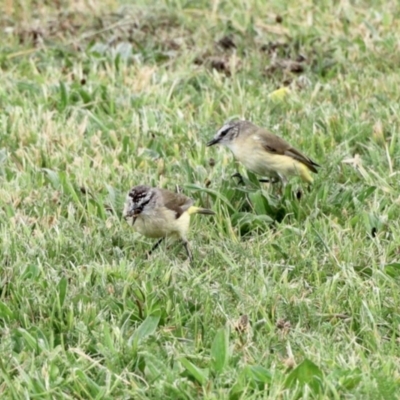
237	392
392	269
31	271
53	177
29	340
350	379
5	312
201	375
85	96
259	202
260	374
92	386
364	194
146	328
306	373
251	378
220	350
248	222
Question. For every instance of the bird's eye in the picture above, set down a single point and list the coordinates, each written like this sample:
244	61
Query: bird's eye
224	132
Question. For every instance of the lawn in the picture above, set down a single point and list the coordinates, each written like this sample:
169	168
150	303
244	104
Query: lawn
289	296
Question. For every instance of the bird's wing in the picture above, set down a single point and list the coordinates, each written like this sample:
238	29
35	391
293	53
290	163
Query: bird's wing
292	152
176	202
276	145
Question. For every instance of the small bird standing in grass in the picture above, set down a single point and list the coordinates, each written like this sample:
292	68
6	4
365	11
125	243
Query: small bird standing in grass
264	153
158	213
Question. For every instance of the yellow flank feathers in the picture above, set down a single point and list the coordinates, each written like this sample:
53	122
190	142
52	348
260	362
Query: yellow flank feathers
198	210
305	173
280	94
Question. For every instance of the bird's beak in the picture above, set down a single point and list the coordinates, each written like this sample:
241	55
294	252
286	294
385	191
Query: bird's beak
212	142
132	213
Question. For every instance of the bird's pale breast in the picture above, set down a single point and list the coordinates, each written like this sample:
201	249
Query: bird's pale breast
262	162
162	222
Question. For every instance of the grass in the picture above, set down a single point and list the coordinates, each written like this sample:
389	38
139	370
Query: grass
97	99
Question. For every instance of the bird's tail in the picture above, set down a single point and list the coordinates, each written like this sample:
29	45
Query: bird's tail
198	210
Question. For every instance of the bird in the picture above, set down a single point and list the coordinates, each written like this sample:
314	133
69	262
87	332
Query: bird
159	213
263	152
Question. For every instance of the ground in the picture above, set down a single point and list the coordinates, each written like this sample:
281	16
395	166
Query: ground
293	293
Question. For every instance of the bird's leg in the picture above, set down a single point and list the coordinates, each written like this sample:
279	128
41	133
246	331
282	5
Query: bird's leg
240	178
188	252
283	181
156	245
